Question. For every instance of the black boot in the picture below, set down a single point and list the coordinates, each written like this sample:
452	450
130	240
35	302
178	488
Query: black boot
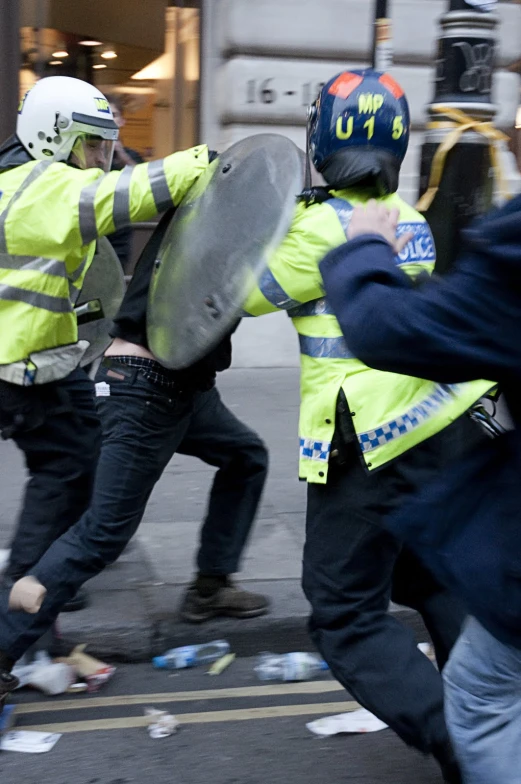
8	682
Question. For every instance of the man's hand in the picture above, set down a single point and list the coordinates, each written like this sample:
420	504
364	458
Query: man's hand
374	218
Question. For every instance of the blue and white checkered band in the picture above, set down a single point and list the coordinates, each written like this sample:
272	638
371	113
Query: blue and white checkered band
324	348
421	248
343	209
317	307
412	419
315	450
274	292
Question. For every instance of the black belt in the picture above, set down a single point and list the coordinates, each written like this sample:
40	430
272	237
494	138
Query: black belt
158	375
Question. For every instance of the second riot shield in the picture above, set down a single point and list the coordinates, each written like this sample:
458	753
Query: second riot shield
99	301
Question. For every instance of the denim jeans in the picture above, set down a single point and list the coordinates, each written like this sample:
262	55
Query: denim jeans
483	706
143	426
57	428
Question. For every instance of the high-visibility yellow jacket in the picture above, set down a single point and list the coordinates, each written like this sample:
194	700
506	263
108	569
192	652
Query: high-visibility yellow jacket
50	217
391	413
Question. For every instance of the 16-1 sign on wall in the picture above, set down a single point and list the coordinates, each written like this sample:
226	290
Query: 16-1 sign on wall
272	90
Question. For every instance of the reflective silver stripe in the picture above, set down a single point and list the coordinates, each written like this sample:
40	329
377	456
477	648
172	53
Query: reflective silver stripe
87	212
49	266
74	276
44	301
325	348
31	177
317	307
343	209
121	207
274	293
159	186
74	291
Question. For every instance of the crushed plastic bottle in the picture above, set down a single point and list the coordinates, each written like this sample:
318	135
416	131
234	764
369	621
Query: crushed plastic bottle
191	655
289	666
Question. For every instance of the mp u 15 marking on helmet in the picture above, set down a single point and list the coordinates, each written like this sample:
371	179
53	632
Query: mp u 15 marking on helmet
359	129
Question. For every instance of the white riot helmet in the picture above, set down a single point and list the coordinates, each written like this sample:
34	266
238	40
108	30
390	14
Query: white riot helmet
61	116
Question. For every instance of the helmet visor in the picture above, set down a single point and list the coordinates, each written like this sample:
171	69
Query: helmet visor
92	152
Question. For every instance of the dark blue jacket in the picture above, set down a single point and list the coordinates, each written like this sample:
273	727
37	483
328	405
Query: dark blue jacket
467	527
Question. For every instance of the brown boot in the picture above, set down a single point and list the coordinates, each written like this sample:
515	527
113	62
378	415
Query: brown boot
203	601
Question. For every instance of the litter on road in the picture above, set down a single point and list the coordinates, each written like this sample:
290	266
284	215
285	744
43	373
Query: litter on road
191	655
71	674
357	721
29	742
221	664
162	725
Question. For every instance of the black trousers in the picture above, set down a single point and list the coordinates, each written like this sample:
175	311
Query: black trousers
58	430
352	569
143	426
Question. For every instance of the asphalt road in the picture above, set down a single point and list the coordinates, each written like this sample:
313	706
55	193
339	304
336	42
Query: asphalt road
234	730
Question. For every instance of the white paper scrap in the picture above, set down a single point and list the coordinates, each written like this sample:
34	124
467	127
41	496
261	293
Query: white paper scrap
102	389
29	742
356	721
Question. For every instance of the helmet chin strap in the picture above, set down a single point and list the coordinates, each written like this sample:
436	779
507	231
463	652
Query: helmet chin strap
311	195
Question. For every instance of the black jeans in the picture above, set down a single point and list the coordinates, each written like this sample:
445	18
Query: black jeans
143	426
352	569
57	428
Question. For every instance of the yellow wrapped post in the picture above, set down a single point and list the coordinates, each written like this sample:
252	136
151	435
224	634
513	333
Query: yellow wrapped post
459	162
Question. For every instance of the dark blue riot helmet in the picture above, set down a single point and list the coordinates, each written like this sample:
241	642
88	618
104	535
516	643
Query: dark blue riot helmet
358	130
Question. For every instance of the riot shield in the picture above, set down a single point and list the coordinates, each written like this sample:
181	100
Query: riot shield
218	244
102	293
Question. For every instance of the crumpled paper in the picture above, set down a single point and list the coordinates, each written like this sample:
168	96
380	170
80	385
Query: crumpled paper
162	724
357	721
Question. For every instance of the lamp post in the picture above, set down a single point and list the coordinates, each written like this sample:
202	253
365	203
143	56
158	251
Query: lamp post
465	69
382	54
9	65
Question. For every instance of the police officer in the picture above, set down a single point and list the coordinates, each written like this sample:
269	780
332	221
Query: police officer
56	199
367	438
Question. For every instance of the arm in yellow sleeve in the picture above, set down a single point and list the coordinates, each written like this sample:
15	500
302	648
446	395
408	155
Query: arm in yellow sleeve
139	192
69	208
293	277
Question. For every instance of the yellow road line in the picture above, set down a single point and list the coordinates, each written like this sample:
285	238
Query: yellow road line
247	714
276	690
